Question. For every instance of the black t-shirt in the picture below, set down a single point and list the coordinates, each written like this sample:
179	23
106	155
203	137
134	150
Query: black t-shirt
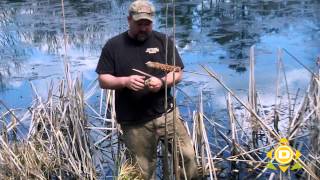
119	56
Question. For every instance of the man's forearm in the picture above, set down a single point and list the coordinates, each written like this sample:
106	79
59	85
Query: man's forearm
172	77
108	81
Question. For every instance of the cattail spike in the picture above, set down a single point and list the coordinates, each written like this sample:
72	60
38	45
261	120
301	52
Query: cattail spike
163	67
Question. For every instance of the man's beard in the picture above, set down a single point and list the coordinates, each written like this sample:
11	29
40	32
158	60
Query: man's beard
142	36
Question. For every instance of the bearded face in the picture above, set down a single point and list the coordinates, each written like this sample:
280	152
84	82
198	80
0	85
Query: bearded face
140	30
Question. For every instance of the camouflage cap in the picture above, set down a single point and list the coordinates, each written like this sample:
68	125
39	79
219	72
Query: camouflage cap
141	9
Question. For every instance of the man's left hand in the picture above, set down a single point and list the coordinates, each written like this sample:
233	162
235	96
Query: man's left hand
154	84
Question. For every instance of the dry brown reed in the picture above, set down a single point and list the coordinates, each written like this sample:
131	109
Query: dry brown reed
56	144
301	120
64	136
129	171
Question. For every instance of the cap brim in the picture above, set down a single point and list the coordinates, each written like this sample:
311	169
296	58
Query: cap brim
137	17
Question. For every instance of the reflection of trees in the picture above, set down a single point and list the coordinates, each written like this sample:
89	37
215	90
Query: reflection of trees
224	23
236	25
235	31
25	25
183	18
316	20
10	49
85	21
243	23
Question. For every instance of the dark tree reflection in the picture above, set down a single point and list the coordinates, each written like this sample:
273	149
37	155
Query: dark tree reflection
25	25
235	25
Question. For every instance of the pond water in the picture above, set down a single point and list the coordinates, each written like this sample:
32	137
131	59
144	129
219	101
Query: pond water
213	33
216	34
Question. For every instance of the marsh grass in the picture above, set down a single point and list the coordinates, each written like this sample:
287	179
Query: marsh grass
129	171
64	136
56	144
255	131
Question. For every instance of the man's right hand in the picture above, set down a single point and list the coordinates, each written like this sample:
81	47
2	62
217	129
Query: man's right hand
135	82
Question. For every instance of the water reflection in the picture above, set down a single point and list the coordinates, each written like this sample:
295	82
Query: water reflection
33	31
237	25
209	31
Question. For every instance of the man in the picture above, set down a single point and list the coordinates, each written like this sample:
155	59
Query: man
140	106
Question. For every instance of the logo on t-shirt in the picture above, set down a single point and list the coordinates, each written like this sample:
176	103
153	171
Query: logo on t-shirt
152	50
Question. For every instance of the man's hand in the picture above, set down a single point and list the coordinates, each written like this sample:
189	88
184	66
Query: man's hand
154	84
135	82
